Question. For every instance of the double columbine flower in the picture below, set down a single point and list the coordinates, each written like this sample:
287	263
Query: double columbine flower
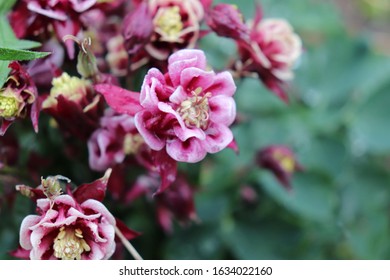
18	98
156	28
74	105
267	48
69	226
188	110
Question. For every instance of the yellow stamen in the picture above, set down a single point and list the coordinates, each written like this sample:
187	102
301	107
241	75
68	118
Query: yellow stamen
70	244
195	110
169	23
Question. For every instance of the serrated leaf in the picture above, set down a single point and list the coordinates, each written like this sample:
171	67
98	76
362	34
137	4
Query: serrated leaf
4	71
6	5
12	54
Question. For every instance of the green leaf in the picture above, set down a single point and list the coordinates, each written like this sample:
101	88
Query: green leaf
11	54
4	71
370	127
6	5
312	197
9	40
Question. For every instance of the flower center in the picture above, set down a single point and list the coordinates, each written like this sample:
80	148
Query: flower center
73	88
287	162
195	110
168	23
70	244
9	106
132	143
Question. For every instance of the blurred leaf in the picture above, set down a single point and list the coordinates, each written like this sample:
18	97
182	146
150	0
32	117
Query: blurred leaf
4	71
250	241
370	128
311	198
194	244
12	54
9	40
6	5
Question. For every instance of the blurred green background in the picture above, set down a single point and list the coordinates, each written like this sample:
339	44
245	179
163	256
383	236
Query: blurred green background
338	125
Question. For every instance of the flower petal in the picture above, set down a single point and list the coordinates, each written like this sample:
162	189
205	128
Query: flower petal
218	138
151	139
183	59
191	150
25	231
193	78
223	84
120	100
222	109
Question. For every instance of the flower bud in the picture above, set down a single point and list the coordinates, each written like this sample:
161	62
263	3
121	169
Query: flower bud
280	160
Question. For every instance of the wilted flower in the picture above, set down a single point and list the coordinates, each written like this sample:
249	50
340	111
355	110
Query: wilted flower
280	160
189	110
271	53
18	98
74	105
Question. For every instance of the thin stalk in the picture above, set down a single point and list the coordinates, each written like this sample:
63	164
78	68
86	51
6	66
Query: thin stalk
128	245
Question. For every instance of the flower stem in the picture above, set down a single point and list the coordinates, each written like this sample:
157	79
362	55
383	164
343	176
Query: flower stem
128	245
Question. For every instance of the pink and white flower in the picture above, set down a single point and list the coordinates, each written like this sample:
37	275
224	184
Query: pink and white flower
65	229
188	110
116	138
271	52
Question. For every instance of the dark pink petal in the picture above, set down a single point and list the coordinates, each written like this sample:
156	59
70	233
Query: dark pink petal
179	61
193	78
226	20
222	109
223	85
126	231
4	126
137	29
218	138
68	27
191	150
166	167
120	100
20	253
151	139
95	190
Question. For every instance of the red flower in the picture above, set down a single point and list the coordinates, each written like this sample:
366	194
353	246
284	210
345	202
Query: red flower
157	28
280	160
18	98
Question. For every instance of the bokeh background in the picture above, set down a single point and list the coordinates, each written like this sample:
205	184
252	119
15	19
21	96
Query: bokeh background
337	123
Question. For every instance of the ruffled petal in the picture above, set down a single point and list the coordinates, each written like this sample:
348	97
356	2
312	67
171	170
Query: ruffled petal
191	150
222	110
218	138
